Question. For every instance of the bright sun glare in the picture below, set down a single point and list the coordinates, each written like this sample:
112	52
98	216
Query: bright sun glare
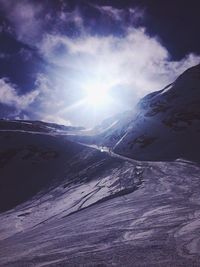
97	96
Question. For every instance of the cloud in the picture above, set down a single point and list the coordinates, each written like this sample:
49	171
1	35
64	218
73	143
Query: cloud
71	17
114	13
10	97
49	102
136	15
125	16
4	55
136	60
25	17
30	20
129	65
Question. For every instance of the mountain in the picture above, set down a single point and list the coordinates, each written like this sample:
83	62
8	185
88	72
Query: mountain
165	125
108	133
36	126
34	162
68	204
66	201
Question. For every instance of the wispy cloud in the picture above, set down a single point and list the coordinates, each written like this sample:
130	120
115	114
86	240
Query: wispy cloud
25	18
30	20
10	96
114	13
132	16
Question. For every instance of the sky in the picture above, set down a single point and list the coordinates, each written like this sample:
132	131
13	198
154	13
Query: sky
80	62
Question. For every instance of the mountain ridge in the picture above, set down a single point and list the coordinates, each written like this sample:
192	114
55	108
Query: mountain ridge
164	125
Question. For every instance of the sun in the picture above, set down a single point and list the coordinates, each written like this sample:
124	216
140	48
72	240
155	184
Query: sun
97	96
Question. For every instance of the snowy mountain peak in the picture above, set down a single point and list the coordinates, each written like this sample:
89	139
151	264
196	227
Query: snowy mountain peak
167	124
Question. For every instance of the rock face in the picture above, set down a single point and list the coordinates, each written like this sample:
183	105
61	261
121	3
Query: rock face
166	124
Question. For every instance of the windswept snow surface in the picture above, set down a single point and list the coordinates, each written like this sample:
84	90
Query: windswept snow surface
67	204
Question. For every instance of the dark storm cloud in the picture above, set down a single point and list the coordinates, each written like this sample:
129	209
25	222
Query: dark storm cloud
52	51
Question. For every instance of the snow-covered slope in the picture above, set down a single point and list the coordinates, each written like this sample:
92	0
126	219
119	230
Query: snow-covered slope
167	124
43	174
36	126
66	204
108	133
